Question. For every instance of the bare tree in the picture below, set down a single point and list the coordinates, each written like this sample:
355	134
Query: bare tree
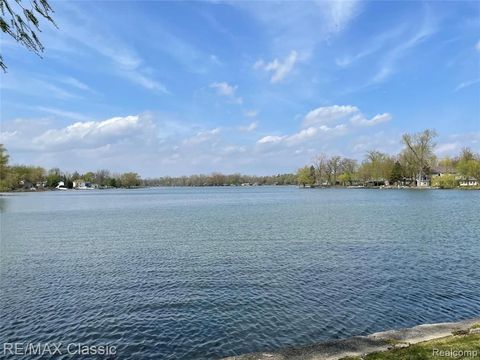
348	165
418	151
102	176
333	168
320	164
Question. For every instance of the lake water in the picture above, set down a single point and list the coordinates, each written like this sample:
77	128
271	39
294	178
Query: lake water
203	273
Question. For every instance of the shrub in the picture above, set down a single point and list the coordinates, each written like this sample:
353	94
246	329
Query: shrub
445	182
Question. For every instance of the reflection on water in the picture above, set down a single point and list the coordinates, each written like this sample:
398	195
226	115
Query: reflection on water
204	273
3	203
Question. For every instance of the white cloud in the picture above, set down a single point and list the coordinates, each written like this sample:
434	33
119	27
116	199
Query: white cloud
339	13
327	121
75	83
328	114
6	136
231	149
296	142
359	119
466	84
446	148
36	87
214	59
451	144
62	113
383	73
303	135
375	45
291	26
335	113
79	32
227	90
270	139
129	66
146	82
250	113
91	134
427	28
277	68
224	89
159	145
202	136
387	142
250	127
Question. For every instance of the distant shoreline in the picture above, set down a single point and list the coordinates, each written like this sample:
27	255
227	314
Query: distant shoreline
468	188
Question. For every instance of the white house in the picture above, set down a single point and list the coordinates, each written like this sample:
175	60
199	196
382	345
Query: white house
79	184
423	183
468	182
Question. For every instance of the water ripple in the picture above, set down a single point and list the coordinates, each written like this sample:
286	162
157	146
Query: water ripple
209	273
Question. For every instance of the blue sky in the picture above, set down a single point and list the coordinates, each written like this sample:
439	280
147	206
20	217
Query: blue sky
254	87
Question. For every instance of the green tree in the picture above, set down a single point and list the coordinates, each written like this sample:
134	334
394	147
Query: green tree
68	181
381	165
130	179
312	174
3	162
22	22
305	176
468	164
364	172
112	182
397	173
474	169
447	181
54	176
32	174
465	162
89	176
345	178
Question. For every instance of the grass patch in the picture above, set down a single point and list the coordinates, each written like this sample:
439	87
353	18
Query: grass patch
432	350
476	326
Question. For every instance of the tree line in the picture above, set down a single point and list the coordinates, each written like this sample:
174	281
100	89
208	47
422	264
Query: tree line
219	179
415	163
15	177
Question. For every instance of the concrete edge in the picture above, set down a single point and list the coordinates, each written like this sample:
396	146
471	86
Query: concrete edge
361	345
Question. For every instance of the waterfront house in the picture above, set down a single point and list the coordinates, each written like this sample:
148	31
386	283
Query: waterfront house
25	184
41	184
468	182
436	173
79	184
423	182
